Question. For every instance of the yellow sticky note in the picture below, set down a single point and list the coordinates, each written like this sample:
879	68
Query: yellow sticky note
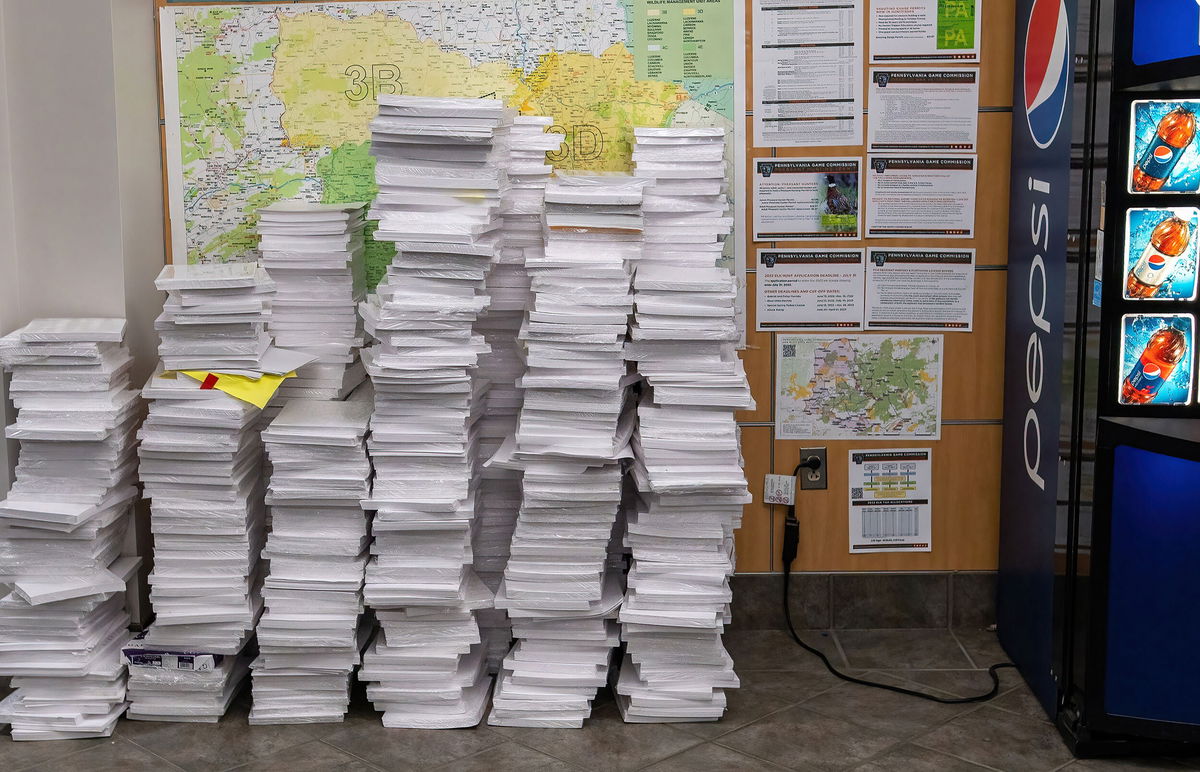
256	391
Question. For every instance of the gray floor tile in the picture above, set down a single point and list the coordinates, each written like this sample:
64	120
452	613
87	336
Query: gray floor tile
509	755
762	692
1121	765
958	683
712	758
1022	702
1000	739
758	601
913	758
314	756
801	739
405	749
888	649
881	711
16	756
114	755
227	743
606	742
775	650
982	646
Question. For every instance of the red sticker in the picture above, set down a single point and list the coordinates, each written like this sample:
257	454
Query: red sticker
209	381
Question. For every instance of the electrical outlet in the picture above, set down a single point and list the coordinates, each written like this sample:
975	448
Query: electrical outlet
814	479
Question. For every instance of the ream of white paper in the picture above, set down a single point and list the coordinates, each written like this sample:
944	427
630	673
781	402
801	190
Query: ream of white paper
809	289
914	196
891	500
918	289
923	111
806	199
909	31
808	64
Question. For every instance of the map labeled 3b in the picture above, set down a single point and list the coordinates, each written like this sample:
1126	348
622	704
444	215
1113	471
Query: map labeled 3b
858	387
270	101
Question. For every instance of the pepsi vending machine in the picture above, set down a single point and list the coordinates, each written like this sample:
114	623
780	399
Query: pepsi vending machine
1100	522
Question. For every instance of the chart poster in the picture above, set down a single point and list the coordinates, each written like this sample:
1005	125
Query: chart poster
269	101
1157	351
1160	253
891	500
920	289
921	196
797	199
810	289
854	387
923	111
925	30
808	71
1163	156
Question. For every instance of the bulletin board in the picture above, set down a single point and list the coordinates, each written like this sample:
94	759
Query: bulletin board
966	458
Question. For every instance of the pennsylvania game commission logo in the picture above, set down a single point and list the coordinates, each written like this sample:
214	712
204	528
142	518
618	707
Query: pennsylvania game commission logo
1048	70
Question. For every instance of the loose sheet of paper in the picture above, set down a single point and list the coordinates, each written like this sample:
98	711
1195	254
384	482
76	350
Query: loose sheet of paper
932	110
918	289
808	65
890	500
810	289
798	199
915	196
925	30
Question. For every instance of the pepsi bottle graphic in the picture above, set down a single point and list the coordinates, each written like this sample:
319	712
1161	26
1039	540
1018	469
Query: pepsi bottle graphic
1166	348
1175	132
1168	241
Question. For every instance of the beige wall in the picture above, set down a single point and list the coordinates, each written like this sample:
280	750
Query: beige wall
80	182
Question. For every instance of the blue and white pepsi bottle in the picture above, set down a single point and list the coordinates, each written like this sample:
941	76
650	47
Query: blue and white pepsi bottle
1175	132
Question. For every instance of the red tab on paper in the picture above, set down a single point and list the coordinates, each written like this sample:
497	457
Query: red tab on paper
209	381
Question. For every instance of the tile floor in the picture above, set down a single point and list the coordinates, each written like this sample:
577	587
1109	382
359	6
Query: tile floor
789	714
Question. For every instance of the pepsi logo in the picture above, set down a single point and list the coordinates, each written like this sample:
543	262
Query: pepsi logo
1157	262
1162	153
1152	371
1047	70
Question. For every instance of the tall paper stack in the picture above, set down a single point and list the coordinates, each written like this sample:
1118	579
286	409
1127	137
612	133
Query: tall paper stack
309	635
688	472
314	253
440	171
686	208
201	465
570	442
62	528
508	286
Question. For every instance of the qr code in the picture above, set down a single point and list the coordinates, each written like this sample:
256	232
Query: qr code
856	493
789	349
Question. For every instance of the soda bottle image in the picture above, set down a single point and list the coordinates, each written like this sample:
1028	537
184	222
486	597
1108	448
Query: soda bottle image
1166	348
1175	132
1168	241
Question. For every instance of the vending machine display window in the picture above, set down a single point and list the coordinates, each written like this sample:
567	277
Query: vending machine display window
1163	155
1160	253
1156	359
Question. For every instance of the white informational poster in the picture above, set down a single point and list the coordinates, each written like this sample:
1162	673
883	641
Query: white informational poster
890	500
920	196
913	31
798	199
923	111
858	387
810	289
808	72
918	289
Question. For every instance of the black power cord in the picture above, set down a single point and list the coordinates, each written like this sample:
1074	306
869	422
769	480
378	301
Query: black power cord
791	545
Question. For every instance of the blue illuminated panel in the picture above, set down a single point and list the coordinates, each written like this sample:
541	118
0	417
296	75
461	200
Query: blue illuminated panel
1153	665
1164	30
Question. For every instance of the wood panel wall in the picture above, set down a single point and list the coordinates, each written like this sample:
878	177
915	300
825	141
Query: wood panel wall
966	461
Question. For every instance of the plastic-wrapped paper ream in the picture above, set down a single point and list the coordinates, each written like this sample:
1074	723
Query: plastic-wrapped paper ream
63	525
